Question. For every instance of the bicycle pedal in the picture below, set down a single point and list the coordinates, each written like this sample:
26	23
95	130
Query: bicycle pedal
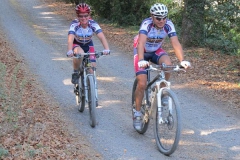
75	90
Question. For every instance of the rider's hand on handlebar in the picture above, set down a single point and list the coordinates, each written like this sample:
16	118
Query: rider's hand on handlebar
143	64
70	53
186	64
106	51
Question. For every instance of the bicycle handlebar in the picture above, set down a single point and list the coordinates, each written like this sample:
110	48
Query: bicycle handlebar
163	66
80	55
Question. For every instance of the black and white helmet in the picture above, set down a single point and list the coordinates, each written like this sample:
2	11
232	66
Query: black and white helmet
159	9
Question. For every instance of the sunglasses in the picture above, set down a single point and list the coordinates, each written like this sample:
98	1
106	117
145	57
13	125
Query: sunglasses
159	19
83	16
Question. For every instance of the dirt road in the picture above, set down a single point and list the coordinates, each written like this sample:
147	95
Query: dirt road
208	131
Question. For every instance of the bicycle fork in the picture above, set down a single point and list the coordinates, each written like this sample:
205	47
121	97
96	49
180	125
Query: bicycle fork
86	86
95	83
159	102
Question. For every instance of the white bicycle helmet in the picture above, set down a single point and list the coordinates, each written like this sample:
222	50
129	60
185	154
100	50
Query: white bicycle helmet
159	9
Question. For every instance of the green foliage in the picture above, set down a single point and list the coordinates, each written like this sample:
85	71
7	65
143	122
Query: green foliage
71	1
193	23
3	152
31	153
126	12
175	10
222	23
235	35
221	18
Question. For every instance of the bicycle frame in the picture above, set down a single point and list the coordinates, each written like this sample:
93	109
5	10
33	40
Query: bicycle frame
86	64
158	80
166	115
87	86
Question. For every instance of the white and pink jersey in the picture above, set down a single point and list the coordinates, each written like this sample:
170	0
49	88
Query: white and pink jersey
84	35
155	37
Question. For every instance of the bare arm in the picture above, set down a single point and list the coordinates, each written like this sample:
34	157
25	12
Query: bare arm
70	41
103	40
141	43
177	48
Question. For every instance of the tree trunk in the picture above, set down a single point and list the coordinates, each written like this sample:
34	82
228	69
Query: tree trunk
193	23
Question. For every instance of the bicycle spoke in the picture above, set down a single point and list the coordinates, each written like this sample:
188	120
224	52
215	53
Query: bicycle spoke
167	130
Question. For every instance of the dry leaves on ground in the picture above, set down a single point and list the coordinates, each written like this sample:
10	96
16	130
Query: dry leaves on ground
31	124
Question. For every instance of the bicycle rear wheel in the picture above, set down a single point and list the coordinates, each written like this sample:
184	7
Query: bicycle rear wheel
80	97
145	120
167	133
91	100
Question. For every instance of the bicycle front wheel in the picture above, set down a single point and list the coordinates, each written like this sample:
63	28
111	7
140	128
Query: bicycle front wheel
167	126
91	100
80	97
145	119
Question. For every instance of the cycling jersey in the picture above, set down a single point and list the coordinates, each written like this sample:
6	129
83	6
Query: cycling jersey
153	48
83	35
155	37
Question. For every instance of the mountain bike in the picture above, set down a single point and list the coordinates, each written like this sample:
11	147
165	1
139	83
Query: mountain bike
167	118
86	90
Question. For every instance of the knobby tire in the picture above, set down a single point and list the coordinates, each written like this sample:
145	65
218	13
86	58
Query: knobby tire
91	100
80	98
167	135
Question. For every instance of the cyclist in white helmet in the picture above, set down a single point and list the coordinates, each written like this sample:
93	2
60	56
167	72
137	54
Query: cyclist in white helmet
148	47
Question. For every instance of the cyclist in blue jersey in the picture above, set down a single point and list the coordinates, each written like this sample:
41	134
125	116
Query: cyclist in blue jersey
80	37
148	47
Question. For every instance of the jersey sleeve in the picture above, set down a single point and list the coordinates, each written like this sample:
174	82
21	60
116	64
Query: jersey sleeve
73	25
170	29
95	26
145	26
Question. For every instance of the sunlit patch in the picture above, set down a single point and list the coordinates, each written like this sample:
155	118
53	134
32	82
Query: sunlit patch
48	17
188	132
192	143
99	106
235	148
207	132
111	102
67	82
109	79
38	6
101	91
179	86
61	59
46	13
105	104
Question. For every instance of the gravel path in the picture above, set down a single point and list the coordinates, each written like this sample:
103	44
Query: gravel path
208	131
